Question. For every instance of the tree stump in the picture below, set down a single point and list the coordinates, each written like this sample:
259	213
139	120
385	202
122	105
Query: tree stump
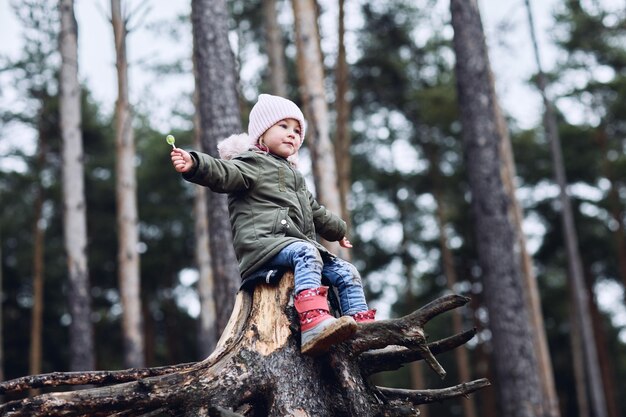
257	370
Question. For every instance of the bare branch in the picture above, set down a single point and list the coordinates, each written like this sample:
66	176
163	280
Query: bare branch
406	331
140	396
378	334
394	332
56	379
394	357
430	359
434	395
104	13
451	342
139	14
437	307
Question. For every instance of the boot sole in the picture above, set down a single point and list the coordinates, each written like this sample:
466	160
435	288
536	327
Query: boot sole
341	330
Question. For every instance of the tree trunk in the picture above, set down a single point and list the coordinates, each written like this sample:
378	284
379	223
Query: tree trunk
39	231
75	217
514	352
487	399
1	315
607	367
533	299
275	49
615	207
461	354
257	370
343	158
416	372
408	262
578	361
149	335
581	296
126	190
219	117
311	76
207	336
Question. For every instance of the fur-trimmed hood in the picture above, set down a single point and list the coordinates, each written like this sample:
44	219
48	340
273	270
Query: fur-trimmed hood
235	145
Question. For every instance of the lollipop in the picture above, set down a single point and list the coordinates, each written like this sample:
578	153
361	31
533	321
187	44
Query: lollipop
171	140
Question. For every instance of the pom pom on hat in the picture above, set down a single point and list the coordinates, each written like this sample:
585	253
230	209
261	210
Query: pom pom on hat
268	111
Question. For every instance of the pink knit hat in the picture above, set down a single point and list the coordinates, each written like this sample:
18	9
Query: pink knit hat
269	110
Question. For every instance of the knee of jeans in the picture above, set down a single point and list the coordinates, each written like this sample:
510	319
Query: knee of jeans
355	275
348	274
309	250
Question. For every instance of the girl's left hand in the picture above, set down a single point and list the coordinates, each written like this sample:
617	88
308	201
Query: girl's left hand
345	243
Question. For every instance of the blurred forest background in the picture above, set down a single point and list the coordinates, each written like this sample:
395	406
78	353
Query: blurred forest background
406	193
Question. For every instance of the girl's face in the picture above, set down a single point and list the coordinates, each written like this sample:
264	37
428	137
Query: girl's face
283	138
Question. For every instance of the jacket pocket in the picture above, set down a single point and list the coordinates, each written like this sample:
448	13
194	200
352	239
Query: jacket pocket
281	222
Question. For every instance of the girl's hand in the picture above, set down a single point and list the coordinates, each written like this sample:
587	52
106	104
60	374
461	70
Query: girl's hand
181	160
345	243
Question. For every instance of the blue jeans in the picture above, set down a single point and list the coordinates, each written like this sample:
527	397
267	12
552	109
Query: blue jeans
308	267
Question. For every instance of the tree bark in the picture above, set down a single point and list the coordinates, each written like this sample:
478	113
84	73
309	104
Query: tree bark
74	219
487	399
257	370
126	190
581	296
615	207
449	270
275	49
219	117
578	361
1	314
408	262
207	336
343	141
607	366
533	299
516	363
39	231
311	78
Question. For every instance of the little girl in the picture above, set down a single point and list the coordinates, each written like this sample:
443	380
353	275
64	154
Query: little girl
274	219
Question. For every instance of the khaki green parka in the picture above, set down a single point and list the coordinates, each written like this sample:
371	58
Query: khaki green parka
269	204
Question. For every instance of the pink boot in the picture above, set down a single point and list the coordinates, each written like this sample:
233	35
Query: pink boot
365	316
320	330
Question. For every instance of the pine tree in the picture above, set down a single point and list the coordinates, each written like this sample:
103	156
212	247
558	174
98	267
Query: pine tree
75	222
219	117
311	78
519	386
126	193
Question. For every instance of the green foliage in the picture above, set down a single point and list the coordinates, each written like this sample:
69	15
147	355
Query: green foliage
165	213
592	74
405	96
